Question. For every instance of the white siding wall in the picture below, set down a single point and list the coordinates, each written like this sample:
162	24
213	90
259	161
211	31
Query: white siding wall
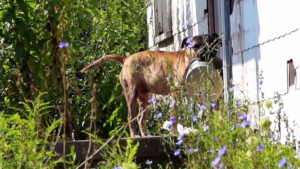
257	21
182	10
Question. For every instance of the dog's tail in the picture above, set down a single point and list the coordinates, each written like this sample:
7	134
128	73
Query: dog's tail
114	57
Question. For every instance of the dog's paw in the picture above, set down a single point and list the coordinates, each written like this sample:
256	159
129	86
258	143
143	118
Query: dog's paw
135	136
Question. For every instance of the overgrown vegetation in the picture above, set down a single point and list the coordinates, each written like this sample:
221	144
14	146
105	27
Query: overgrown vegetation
32	61
44	44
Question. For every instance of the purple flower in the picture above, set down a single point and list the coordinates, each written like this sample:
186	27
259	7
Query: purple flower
118	167
205	128
231	89
243	116
151	101
159	115
185	24
196	150
179	142
180	136
216	161
203	107
63	45
232	128
238	103
149	162
172	119
215	139
172	104
260	147
244	124
177	152
222	151
221	166
209	151
199	94
191	45
189	150
195	118
281	163
189	40
290	166
212	104
167	125
276	93
272	135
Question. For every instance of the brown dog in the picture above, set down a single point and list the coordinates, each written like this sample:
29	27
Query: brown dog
155	72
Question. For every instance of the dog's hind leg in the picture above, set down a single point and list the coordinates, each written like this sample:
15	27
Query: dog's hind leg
130	93
143	113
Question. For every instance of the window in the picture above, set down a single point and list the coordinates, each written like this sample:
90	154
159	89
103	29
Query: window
163	20
291	74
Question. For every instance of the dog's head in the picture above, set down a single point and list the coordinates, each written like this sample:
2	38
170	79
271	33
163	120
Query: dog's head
203	47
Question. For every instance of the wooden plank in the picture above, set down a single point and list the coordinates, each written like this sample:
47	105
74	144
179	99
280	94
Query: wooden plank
148	147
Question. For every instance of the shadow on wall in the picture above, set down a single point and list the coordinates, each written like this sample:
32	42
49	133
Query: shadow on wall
245	32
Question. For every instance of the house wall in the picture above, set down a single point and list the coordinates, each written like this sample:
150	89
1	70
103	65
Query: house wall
263	70
181	11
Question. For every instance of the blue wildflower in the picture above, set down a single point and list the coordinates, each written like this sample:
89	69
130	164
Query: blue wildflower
191	45
189	151
172	119
199	93
232	128
195	118
63	45
215	139
179	142
231	89
185	24
238	103
189	40
118	167
205	128
221	166
167	125
196	150
276	93
243	116
282	162
222	151
272	135
209	151
260	147
203	107
180	136
212	104
159	115
151	101
177	152
172	104
290	166
149	162
244	124
216	161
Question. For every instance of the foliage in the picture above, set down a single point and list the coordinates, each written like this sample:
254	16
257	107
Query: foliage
32	61
24	141
223	136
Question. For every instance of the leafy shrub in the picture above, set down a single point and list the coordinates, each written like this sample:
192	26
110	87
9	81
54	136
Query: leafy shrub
24	139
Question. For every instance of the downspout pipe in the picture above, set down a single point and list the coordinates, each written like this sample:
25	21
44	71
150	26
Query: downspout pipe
226	49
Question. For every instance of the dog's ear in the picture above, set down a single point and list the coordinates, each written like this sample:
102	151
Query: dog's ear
183	43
